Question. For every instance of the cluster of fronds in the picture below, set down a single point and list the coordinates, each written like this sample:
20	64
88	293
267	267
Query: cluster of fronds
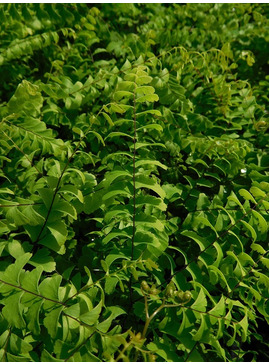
134	185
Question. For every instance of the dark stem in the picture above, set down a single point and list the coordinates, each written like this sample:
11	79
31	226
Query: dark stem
134	189
80	346
189	354
54	196
134	202
33	293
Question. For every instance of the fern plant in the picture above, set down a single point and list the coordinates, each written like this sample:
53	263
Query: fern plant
134	188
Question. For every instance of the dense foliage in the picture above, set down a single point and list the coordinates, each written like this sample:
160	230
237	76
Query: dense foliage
134	182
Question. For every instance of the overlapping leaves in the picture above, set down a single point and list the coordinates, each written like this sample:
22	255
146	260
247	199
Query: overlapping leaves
126	157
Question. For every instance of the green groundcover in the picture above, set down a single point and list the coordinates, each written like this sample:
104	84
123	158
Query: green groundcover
134	182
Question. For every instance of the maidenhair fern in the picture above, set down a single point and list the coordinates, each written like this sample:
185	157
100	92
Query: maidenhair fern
134	188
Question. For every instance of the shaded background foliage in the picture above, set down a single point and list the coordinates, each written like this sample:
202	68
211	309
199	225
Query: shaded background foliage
134	146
